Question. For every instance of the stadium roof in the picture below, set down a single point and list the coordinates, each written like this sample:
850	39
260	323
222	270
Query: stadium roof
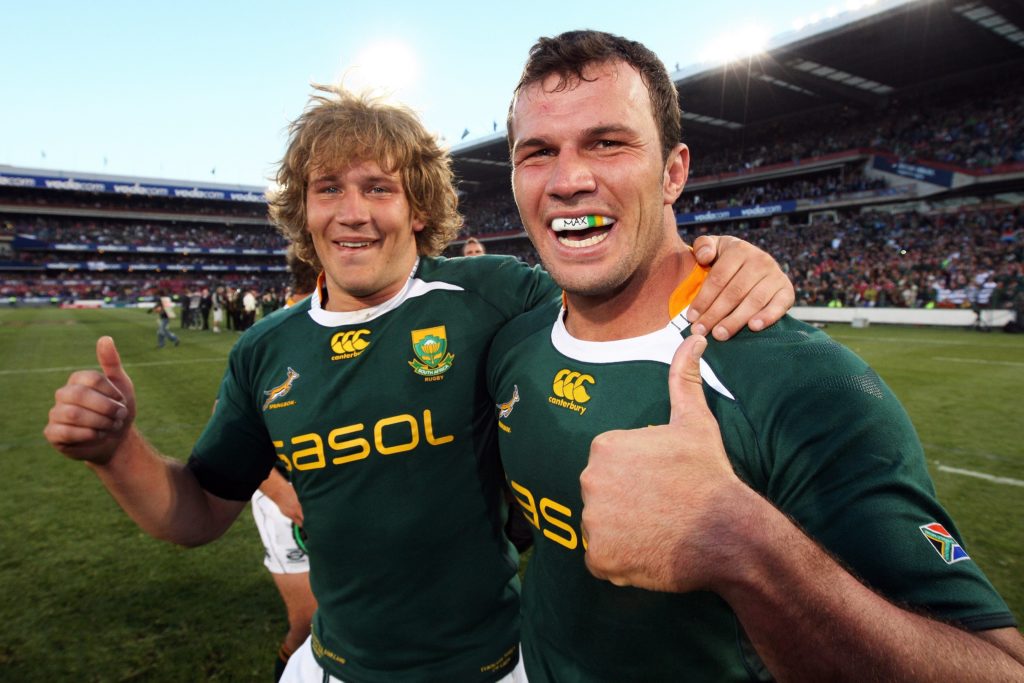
866	59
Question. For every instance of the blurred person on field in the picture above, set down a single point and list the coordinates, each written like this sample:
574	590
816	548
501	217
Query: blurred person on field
164	309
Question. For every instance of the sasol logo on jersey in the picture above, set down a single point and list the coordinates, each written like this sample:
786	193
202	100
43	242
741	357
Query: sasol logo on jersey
570	390
350	443
556	521
349	344
431	348
279	392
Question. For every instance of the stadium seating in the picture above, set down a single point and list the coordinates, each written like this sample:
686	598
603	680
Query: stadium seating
913	204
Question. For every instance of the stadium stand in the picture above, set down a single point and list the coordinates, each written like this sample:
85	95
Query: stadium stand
71	237
882	168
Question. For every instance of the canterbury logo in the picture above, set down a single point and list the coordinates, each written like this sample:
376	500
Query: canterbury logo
505	409
349	344
569	385
281	390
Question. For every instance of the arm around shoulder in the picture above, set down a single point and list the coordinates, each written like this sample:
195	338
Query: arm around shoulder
745	286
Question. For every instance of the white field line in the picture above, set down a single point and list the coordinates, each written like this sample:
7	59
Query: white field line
978	475
978	361
849	339
72	368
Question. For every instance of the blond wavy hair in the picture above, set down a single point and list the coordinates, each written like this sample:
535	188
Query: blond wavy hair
340	128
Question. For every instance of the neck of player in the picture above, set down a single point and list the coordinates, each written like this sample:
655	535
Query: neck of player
639	306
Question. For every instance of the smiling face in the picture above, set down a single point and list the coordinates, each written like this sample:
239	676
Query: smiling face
592	150
364	233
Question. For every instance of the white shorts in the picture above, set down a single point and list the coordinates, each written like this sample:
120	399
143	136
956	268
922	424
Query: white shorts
282	555
302	668
218	315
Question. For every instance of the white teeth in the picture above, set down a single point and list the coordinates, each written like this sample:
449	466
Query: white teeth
579	244
580	223
354	245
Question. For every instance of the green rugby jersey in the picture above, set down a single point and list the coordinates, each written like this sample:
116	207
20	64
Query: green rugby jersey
383	419
805	422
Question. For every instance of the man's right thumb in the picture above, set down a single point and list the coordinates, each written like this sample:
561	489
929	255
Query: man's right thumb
109	359
685	386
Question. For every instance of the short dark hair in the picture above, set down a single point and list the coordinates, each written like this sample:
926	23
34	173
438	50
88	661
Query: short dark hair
571	52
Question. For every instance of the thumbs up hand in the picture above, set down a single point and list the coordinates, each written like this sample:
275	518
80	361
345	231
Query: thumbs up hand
93	410
658	502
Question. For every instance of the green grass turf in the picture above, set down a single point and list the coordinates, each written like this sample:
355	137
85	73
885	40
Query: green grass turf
88	597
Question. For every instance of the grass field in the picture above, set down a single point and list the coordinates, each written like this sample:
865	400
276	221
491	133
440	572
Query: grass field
86	596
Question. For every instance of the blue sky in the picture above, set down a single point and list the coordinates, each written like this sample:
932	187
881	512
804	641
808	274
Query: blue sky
204	90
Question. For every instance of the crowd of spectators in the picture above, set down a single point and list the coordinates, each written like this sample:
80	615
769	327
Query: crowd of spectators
130	287
964	258
98	261
960	258
101	274
241	306
132	233
173	206
493	215
831	185
497	215
977	131
967	258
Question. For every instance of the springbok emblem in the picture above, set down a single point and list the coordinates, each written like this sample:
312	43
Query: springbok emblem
281	390
505	409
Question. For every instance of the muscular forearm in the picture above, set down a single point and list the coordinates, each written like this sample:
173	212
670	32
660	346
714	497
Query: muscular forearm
663	509
162	496
809	619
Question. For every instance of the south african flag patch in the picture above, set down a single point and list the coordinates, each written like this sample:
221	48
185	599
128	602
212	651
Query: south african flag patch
944	543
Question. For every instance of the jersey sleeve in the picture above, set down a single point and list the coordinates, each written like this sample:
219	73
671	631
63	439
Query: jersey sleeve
541	315
234	454
513	287
839	455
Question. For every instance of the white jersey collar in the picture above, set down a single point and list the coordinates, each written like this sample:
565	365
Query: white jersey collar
413	287
658	346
